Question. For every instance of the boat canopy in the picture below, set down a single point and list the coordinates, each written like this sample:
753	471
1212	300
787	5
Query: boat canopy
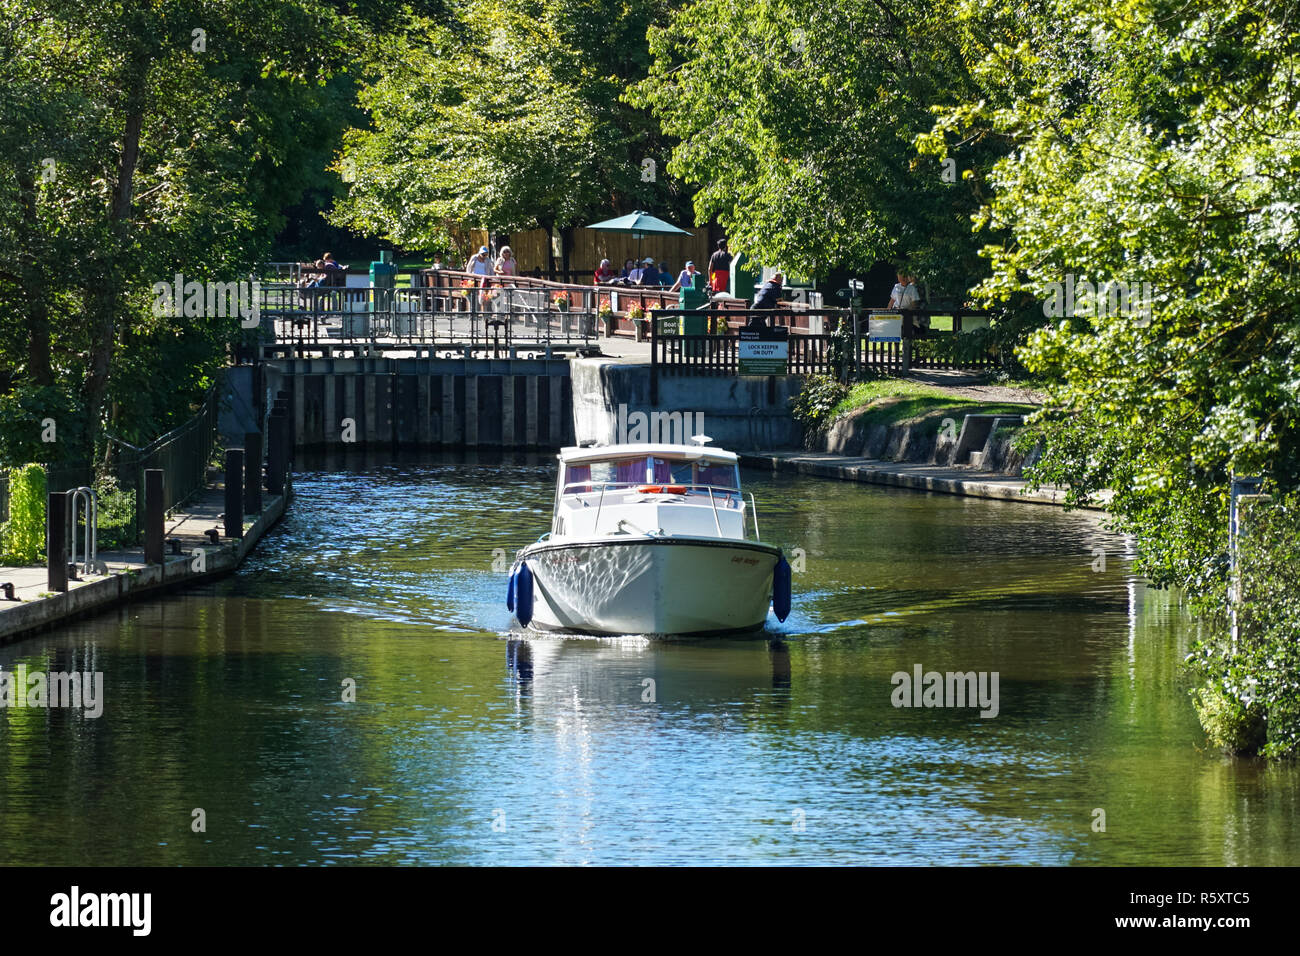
576	456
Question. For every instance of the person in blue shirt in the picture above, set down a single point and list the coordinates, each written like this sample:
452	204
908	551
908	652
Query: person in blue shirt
687	279
770	293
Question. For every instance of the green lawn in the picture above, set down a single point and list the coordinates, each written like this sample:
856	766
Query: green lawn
899	400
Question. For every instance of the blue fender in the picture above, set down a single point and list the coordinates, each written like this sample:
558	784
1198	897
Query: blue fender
524	594
781	588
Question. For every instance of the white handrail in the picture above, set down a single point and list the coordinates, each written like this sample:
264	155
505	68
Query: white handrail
754	508
716	523
596	527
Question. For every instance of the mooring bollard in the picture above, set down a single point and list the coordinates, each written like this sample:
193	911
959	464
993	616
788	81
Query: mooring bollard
234	492
153	516
56	540
252	473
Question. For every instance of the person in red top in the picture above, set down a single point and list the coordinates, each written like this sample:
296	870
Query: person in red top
720	268
604	273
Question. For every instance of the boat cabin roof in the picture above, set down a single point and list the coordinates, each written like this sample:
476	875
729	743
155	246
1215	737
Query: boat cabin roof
576	456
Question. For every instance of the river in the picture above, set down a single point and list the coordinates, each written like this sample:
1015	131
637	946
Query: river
226	737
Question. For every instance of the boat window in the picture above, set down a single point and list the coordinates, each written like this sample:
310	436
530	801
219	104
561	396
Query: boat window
717	474
630	471
580	479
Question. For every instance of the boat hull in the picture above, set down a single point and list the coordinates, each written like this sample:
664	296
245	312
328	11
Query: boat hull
656	586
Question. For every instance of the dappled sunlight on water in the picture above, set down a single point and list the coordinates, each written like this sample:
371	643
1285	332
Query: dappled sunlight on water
470	742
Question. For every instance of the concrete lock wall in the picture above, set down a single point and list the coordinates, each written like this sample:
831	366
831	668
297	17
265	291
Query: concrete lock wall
461	403
737	413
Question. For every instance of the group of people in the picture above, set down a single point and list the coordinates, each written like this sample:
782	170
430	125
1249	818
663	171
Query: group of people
325	266
644	273
649	273
482	264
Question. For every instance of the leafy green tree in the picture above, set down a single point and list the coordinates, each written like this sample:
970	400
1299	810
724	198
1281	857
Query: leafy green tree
1151	145
141	140
505	117
798	124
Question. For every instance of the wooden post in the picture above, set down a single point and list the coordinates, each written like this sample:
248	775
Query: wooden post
234	492
252	473
56	540
654	358
275	456
906	344
153	516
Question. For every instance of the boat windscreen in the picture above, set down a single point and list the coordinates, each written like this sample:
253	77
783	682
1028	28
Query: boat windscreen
591	476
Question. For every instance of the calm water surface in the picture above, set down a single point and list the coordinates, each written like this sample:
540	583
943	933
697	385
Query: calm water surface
470	744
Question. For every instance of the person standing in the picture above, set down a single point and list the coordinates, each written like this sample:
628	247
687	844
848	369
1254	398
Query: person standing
480	265
910	298
506	265
720	268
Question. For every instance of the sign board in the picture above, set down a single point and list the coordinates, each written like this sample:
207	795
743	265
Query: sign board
886	327
764	351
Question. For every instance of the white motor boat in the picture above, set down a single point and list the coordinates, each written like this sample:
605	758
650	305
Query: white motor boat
649	539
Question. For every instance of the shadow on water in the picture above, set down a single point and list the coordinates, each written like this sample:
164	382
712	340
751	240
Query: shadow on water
467	742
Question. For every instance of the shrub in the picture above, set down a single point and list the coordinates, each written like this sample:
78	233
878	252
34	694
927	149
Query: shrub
1249	694
813	406
116	515
22	537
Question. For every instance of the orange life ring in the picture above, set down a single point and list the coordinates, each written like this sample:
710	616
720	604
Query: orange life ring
662	489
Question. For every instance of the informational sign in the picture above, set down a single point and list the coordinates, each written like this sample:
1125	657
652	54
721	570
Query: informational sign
886	327
764	351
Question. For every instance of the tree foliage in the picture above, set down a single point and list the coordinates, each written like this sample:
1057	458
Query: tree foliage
505	116
1151	143
798	124
139	140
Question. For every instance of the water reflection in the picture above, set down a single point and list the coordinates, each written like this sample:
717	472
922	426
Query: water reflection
589	750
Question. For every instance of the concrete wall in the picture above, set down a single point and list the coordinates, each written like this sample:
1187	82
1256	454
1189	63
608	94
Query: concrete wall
426	402
739	414
979	442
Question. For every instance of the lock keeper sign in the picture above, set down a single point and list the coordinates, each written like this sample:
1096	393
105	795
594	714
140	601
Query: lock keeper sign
763	351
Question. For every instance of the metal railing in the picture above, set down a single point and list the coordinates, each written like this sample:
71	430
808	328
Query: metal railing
183	455
891	341
457	313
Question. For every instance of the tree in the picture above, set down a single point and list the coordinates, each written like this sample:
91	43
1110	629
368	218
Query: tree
1153	146
798	124
141	140
504	117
